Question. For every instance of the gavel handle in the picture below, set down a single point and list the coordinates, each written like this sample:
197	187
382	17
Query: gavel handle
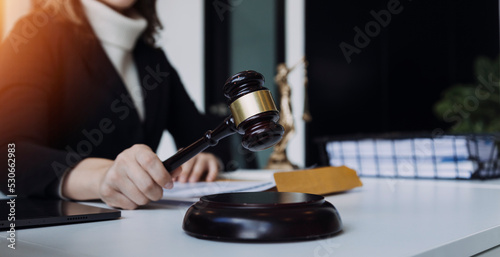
211	138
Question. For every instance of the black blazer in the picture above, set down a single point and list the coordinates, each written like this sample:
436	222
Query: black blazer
62	100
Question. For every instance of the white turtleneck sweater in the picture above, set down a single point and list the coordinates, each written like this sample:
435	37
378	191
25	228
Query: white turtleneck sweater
118	35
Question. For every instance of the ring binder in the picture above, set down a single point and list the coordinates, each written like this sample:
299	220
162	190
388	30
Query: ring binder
410	155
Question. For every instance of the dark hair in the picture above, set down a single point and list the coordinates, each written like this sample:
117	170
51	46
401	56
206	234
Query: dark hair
72	11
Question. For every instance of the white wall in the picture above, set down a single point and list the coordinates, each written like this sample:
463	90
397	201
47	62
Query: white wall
295	50
182	39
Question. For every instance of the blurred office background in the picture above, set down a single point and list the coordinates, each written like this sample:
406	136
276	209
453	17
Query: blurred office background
389	82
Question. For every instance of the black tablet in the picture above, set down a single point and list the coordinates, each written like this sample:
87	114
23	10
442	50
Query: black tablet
23	213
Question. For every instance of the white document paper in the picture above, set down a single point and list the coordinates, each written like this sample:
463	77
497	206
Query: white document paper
193	191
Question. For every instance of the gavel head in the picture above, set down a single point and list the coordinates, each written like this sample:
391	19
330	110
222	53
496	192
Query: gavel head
253	109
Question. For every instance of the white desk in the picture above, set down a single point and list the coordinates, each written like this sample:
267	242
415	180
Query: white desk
385	217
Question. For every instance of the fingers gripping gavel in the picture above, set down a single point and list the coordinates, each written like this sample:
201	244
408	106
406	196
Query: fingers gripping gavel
253	115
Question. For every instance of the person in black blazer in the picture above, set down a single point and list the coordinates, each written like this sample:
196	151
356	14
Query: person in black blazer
74	126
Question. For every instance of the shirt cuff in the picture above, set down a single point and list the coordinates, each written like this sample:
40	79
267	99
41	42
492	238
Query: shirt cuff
59	187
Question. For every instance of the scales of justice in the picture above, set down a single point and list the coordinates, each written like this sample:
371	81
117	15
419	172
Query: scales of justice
278	159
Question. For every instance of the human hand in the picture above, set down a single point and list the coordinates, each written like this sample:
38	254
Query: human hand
136	177
203	164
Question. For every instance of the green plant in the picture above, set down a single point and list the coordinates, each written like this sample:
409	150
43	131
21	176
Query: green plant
474	108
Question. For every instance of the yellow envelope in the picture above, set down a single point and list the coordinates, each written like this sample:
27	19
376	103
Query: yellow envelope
320	181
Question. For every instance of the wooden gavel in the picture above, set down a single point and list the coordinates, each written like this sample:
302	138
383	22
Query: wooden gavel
253	115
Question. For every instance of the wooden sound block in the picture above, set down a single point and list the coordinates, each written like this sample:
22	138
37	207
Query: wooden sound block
262	216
